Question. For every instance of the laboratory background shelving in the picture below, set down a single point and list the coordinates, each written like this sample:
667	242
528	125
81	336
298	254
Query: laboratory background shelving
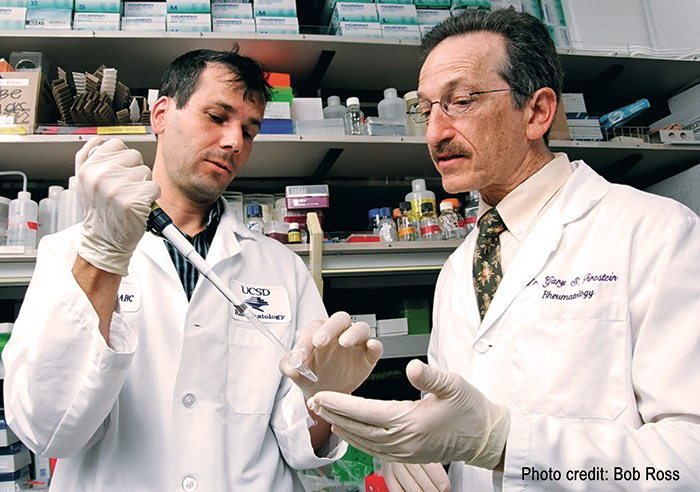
363	172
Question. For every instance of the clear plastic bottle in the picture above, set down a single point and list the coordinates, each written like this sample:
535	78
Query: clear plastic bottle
4	209
471	211
386	227
406	223
451	223
354	118
414	128
294	234
254	222
69	210
373	220
334	109
392	107
429	225
48	213
420	195
22	222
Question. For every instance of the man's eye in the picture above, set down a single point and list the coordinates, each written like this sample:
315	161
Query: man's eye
424	110
460	101
215	118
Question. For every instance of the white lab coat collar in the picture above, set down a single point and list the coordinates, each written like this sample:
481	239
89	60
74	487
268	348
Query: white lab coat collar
584	189
224	245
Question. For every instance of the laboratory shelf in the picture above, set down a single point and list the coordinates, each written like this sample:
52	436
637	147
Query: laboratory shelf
16	269
321	158
339	259
369	259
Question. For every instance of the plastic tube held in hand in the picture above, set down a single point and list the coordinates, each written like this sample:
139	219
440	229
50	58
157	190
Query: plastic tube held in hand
161	224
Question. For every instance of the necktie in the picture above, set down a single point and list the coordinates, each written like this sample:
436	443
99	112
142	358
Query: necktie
487	259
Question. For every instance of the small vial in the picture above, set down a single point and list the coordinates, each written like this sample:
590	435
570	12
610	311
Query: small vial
451	223
406	223
294	234
386	227
471	211
429	225
254	222
373	220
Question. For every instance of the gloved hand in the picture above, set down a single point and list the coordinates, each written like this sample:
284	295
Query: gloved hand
116	192
403	477
340	353
455	422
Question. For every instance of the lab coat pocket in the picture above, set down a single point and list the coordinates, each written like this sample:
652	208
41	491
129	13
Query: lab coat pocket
571	362
253	375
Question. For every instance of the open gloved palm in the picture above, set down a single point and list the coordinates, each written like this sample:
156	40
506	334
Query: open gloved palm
454	422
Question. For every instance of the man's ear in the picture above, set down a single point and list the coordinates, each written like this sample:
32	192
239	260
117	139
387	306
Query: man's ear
158	113
543	106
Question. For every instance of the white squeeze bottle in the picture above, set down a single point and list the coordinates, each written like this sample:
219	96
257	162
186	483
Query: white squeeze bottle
392	107
420	195
334	109
22	222
48	213
69	210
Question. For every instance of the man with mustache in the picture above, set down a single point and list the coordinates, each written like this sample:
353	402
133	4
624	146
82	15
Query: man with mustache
135	371
565	350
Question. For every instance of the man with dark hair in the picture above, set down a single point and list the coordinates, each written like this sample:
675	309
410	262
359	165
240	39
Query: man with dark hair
138	374
565	351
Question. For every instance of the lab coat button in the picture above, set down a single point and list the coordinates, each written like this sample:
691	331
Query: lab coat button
189	484
482	346
189	400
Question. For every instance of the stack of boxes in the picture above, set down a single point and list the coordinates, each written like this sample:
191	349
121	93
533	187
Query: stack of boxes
278	112
97	15
300	200
188	15
49	14
232	17
15	458
581	126
398	19
352	18
276	16
143	16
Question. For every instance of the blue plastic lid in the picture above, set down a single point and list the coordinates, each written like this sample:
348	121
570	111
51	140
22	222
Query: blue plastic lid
254	210
373	212
384	212
15	475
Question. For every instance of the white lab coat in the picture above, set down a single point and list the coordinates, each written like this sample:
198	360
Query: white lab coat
592	341
191	397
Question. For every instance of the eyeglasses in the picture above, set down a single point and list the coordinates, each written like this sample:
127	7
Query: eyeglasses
452	103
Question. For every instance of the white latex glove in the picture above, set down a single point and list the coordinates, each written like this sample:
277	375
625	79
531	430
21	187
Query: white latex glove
340	353
403	477
116	193
455	422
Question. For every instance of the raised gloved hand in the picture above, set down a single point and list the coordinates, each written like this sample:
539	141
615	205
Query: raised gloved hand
116	193
403	477
340	353
455	422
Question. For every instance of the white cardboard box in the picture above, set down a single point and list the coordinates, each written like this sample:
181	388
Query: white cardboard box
220	24
144	9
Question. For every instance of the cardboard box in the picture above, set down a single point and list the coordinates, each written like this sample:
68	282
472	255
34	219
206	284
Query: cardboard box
27	97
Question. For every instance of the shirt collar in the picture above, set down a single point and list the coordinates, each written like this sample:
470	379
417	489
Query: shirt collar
522	206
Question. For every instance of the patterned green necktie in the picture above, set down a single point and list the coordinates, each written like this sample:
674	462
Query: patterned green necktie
487	259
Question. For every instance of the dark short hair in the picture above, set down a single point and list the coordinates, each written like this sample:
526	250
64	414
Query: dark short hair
182	76
532	60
